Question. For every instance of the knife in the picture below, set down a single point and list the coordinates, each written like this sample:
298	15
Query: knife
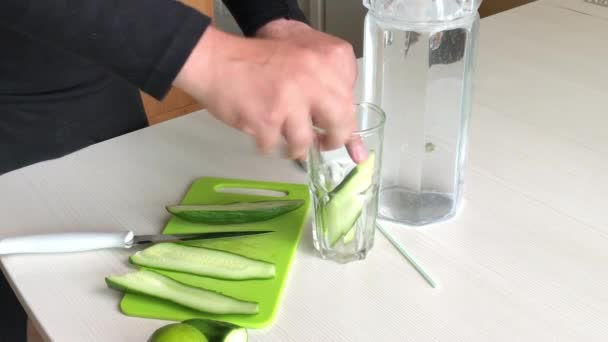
85	241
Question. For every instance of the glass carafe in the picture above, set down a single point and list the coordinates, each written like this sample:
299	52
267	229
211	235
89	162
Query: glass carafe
418	66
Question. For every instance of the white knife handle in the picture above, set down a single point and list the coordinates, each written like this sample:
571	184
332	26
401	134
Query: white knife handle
64	242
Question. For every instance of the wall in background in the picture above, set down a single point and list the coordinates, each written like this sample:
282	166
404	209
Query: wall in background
344	18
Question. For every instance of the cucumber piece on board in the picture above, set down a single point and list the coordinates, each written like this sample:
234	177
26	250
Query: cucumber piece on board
157	285
234	213
203	261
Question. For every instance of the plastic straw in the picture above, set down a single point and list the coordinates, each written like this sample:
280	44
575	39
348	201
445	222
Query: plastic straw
407	256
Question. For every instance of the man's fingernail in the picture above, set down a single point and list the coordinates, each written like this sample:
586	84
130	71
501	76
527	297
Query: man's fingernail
359	153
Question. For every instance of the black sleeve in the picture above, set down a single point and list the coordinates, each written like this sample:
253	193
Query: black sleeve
253	14
145	41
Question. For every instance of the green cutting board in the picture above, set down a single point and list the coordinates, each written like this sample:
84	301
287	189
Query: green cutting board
278	247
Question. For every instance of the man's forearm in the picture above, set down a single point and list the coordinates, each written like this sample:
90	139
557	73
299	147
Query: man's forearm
144	41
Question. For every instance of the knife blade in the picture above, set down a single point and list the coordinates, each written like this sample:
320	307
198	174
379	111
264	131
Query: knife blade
146	239
87	241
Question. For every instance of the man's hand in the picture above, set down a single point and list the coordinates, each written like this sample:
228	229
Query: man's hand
272	87
336	52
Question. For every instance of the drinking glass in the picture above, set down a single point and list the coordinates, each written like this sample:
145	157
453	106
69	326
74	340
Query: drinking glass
344	193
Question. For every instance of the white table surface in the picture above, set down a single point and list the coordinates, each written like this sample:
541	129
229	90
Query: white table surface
526	260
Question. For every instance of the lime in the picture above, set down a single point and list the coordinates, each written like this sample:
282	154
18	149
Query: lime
177	332
219	331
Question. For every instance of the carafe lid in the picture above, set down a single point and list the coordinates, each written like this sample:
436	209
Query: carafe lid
421	11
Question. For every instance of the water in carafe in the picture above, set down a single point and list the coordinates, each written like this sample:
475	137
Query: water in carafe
418	65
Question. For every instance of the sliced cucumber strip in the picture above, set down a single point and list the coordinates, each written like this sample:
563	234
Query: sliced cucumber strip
157	285
203	261
233	213
350	235
219	331
359	179
340	215
346	201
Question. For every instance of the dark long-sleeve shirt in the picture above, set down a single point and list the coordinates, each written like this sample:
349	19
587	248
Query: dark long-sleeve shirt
70	70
